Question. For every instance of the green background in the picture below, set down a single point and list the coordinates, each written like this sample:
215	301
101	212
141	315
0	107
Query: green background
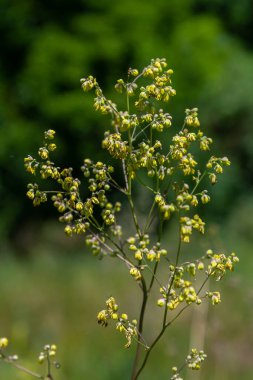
50	286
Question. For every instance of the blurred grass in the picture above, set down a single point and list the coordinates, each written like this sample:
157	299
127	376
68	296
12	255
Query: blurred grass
54	297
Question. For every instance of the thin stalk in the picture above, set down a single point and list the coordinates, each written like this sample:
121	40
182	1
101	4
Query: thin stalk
116	185
164	328
198	182
151	135
177	315
125	174
53	191
143	184
160	230
129	181
138	76
140	132
48	366
122	257
148	353
128	105
154	278
140	327
129	196
172	280
164	325
21	368
148	218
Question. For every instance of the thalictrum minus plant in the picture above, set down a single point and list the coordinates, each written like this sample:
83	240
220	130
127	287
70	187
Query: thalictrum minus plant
148	152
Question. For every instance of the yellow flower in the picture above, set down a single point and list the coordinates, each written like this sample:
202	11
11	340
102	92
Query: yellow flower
4	343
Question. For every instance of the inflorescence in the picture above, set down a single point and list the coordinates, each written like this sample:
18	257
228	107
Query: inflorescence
142	141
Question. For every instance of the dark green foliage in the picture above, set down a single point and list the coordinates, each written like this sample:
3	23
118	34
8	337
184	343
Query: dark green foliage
46	47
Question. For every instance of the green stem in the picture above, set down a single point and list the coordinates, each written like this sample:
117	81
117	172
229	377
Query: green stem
151	135
134	137
198	182
153	278
148	218
116	185
138	76
146	186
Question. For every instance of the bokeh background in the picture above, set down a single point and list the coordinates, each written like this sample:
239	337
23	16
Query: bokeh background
50	287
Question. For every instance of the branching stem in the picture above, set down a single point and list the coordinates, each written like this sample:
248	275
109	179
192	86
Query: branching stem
21	368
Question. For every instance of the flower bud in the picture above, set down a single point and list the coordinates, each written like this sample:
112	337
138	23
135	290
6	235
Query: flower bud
4	343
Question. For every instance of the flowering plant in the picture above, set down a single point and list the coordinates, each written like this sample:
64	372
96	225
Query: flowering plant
147	154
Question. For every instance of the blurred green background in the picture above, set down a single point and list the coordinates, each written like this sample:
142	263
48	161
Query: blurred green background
51	289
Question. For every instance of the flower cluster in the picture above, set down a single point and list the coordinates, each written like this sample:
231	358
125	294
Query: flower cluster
214	296
220	263
159	161
188	224
135	273
4	342
183	202
159	121
35	194
47	168
115	146
179	290
123	121
193	361
77	214
49	351
191	118
96	244
140	248
149	157
172	170
215	166
139	150
123	324
46	356
195	358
